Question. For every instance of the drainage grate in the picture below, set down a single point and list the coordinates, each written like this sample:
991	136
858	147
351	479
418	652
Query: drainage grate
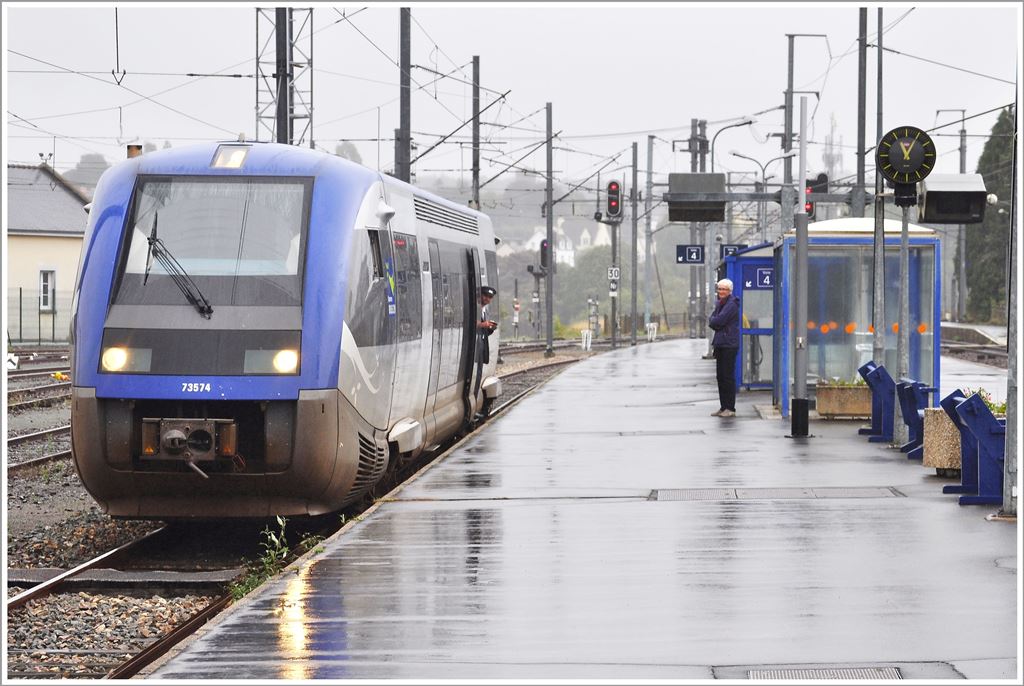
827	673
695	494
773	493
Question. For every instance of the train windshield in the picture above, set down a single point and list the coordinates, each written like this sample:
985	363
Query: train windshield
241	239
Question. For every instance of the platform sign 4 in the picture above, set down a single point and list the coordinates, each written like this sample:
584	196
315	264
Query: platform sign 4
758	278
689	254
727	249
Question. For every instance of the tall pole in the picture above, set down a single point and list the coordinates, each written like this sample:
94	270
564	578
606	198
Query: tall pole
1011	459
614	226
962	233
632	309
402	166
799	409
760	213
900	429
647	230
862	77
549	294
878	301
728	208
703	233
692	309
476	132
786	196
283	81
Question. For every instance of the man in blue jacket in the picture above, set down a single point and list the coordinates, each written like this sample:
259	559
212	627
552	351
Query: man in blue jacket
725	321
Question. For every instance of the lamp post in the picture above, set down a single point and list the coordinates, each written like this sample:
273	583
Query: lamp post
746	121
764	182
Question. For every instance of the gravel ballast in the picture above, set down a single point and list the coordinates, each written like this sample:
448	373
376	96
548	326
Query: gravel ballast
81	634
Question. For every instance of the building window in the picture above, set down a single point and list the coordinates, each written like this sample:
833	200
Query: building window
47	298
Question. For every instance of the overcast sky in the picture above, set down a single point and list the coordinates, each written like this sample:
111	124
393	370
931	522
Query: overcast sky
613	73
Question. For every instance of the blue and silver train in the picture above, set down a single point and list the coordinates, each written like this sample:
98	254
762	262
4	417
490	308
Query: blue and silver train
261	329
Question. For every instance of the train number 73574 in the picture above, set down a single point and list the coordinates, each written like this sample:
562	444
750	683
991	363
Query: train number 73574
199	387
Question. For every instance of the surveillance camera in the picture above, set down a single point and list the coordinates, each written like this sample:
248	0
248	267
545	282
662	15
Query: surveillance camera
992	199
719	238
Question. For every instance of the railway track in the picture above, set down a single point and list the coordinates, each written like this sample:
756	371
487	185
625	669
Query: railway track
123	661
28	451
35	396
36	371
133	653
992	355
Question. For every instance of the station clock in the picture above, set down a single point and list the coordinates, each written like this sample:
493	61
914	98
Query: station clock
905	155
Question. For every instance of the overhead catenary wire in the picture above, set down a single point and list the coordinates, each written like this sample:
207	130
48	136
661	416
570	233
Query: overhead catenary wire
394	62
947	66
121	85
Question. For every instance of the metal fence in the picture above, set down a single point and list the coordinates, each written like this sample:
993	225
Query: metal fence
27	323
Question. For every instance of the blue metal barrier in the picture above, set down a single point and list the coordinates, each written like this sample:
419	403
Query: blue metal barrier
990	434
883	390
876	417
968	446
913	397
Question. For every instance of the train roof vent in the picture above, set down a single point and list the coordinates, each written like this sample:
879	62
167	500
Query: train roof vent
436	213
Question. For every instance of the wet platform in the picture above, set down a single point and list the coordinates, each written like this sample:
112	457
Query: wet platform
608	528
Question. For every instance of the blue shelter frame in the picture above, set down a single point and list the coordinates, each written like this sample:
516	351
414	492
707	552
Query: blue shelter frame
752	272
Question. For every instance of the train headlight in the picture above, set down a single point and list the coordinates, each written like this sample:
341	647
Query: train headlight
122	359
230	156
286	361
114	359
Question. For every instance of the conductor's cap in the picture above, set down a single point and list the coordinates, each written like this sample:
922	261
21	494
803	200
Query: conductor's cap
488	291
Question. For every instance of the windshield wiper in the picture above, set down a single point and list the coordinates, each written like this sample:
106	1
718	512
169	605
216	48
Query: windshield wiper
181	279
149	250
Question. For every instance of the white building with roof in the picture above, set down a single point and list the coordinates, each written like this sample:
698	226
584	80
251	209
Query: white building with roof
46	220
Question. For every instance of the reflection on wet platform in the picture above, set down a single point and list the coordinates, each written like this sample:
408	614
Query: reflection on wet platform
536	550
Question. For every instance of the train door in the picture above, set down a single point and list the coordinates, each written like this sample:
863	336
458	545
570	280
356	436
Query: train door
437	330
470	336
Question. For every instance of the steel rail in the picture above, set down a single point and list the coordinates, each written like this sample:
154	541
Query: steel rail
25	373
37	401
155	650
48	587
25	438
36	389
28	465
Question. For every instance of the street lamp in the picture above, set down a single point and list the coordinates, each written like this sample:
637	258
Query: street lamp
746	121
764	183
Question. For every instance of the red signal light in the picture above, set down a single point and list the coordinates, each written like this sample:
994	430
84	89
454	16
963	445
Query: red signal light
614	191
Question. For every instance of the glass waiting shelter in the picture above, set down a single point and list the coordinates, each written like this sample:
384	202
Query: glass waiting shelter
840	293
839	303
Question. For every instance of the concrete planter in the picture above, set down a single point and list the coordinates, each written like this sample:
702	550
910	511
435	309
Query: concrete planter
941	443
843	401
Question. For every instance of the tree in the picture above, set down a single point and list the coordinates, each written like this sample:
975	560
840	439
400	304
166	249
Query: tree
988	243
347	150
88	170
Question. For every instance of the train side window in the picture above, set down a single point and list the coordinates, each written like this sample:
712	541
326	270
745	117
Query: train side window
407	276
378	262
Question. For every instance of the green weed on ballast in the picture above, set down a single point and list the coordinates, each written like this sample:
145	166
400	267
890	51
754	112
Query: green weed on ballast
272	561
311	542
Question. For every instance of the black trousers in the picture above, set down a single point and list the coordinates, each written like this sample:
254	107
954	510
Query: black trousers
725	367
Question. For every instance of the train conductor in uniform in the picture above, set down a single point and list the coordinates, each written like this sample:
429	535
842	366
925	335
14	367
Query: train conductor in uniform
486	326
